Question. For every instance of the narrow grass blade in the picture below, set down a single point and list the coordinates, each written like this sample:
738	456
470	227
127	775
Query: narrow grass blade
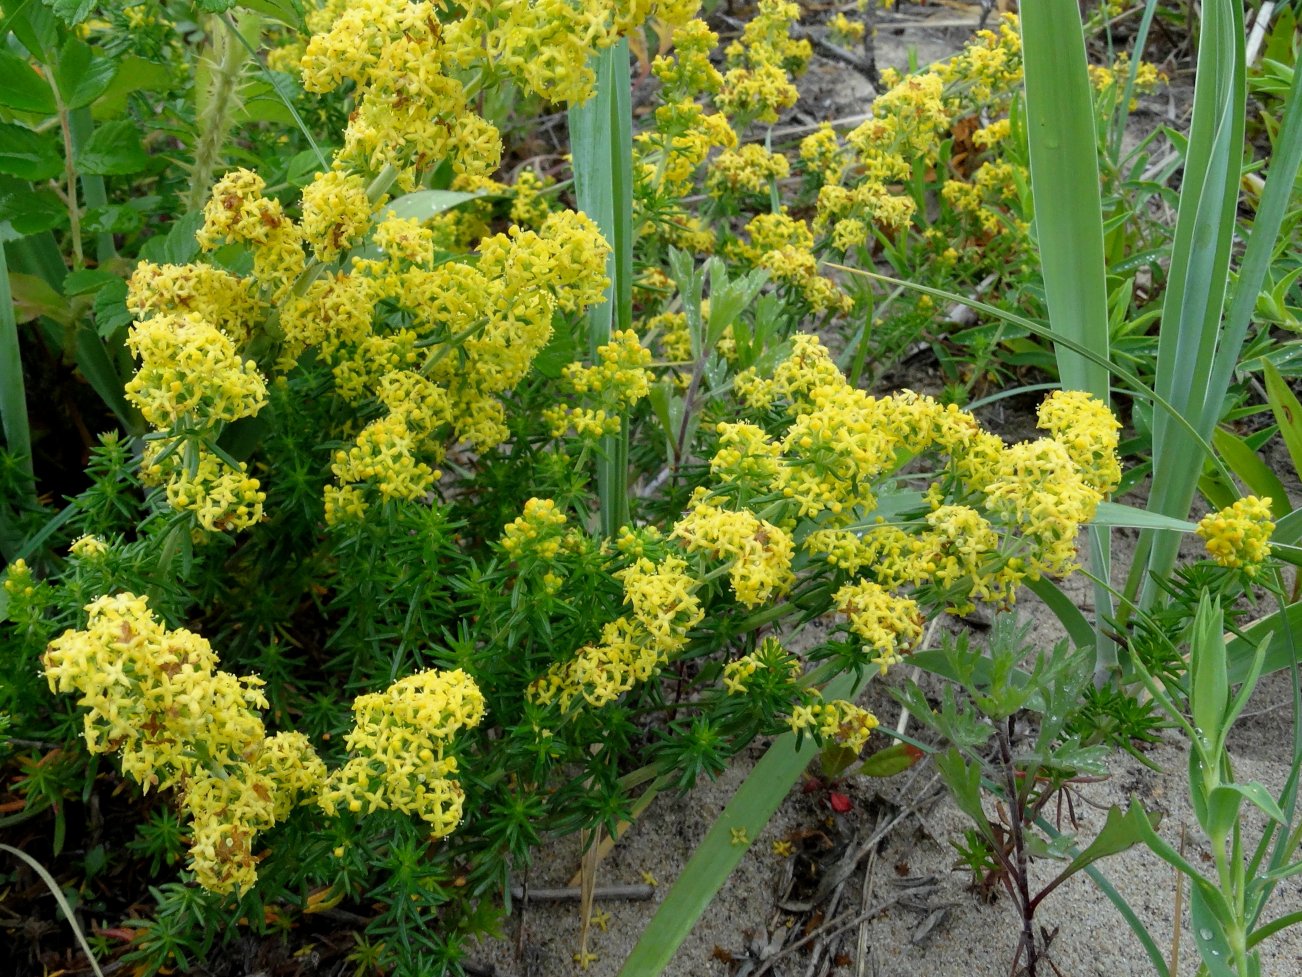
1200	257
59	898
715	858
1069	226
601	144
13	391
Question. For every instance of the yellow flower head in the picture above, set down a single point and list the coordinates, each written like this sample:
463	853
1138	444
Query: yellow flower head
1239	536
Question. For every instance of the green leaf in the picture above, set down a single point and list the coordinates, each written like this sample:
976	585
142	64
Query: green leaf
29	155
1256	474
33	297
891	760
1277	631
1118	514
601	143
424	204
111	220
82	75
1209	693
1119	832
111	312
86	281
13	392
113	149
1209	935
716	857
134	74
22	88
71	12
1188	374
29	211
1287	411
1258	795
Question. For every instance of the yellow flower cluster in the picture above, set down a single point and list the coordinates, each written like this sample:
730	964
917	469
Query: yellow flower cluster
538	532
758	85
837	721
760	552
783	246
190	374
223	498
157	697
617	381
1147	78
213	295
1089	431
398	745
238	213
664	608
1239	535
689	72
746	170
89	548
888	625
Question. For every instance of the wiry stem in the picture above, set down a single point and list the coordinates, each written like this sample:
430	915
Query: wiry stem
217	105
69	176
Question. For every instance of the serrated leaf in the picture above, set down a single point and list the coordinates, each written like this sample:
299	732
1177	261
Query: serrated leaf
113	150
82	75
22	88
30	212
111	312
134	75
71	12
29	155
86	281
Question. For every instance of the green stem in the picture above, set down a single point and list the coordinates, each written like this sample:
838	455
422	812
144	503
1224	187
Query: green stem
69	176
216	102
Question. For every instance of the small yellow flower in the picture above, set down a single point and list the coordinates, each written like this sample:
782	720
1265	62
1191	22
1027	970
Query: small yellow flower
601	919
585	959
739	838
783	848
649	879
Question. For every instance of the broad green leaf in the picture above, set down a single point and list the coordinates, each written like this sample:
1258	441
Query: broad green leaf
1256	474
424	204
1209	934
33	24
1200	258
71	12
1259	796
87	281
29	155
13	390
22	88
891	760
29	211
134	74
1277	630
33	297
113	149
1287	411
601	144
82	75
